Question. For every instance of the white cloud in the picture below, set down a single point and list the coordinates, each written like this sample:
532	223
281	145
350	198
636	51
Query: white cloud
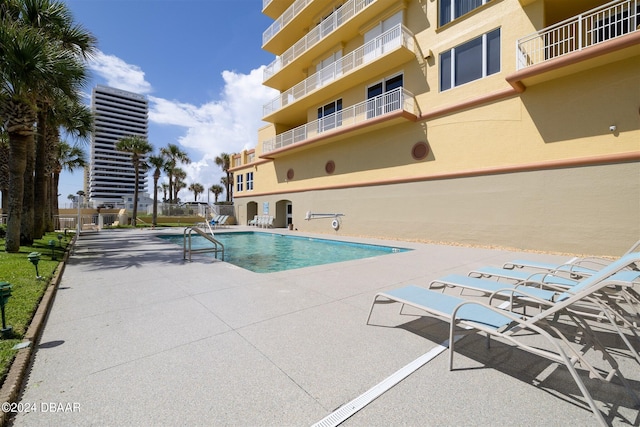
226	125
119	74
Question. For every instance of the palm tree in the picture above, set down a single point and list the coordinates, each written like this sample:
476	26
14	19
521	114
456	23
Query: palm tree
224	161
227	181
41	59
196	188
156	162
138	147
216	190
179	185
4	168
68	158
173	155
165	188
77	120
179	176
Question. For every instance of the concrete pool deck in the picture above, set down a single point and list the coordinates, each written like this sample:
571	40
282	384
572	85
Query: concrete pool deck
137	336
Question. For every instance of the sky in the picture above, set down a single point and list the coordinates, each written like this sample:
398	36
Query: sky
199	62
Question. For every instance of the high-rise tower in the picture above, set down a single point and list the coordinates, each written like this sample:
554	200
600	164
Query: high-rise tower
118	114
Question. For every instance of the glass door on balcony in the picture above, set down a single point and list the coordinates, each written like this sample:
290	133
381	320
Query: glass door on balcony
330	21
376	45
377	104
329	68
330	116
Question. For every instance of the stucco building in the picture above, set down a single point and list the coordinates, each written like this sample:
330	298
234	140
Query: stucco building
499	122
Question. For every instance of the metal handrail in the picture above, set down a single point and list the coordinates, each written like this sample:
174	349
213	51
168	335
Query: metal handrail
394	100
395	37
187	249
593	27
326	27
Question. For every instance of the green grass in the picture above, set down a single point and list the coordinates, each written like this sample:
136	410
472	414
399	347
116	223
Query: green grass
27	290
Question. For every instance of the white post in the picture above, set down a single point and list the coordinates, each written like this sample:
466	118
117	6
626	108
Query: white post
80	194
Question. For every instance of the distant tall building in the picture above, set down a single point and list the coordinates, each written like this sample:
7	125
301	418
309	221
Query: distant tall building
118	114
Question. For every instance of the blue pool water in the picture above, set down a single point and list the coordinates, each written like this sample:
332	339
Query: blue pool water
269	252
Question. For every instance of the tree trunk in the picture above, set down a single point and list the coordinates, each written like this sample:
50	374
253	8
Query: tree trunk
4	174
154	221
54	191
26	229
17	165
39	192
135	197
48	209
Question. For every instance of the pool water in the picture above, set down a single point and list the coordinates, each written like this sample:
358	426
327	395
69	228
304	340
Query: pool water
270	252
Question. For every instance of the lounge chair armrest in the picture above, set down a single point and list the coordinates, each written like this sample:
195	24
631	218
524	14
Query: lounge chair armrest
514	317
519	291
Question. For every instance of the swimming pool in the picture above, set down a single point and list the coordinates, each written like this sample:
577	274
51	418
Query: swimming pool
270	252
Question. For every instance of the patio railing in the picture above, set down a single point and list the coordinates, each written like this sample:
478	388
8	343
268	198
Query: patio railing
394	100
376	48
326	27
598	25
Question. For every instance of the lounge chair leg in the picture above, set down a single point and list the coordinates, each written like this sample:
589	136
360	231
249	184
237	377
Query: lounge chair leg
371	310
452	342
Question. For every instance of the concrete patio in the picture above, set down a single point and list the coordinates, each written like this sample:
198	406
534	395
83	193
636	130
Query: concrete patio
137	336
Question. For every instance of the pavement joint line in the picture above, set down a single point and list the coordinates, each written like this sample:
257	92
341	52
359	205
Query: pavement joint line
347	410
344	412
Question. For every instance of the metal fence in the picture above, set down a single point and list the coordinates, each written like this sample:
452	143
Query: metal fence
598	25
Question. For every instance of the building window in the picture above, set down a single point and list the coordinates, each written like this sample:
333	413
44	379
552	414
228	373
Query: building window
330	116
249	181
378	104
239	182
454	9
470	61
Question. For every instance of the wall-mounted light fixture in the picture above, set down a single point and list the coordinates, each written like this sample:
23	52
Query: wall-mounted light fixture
613	128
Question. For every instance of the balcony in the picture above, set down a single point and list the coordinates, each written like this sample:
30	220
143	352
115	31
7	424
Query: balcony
278	36
395	105
274	8
594	27
330	31
388	43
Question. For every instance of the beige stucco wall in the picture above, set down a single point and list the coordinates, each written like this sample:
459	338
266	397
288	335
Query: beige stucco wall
563	119
561	197
584	210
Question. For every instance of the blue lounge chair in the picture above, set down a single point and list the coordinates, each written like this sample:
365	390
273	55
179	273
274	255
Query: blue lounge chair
578	266
523	276
493	321
528	292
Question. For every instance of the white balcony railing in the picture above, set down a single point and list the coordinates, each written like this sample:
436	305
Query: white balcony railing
326	27
283	19
394	100
598	25
376	48
265	3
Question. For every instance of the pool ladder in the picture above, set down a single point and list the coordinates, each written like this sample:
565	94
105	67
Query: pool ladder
186	244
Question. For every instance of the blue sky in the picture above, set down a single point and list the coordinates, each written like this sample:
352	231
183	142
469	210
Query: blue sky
198	61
